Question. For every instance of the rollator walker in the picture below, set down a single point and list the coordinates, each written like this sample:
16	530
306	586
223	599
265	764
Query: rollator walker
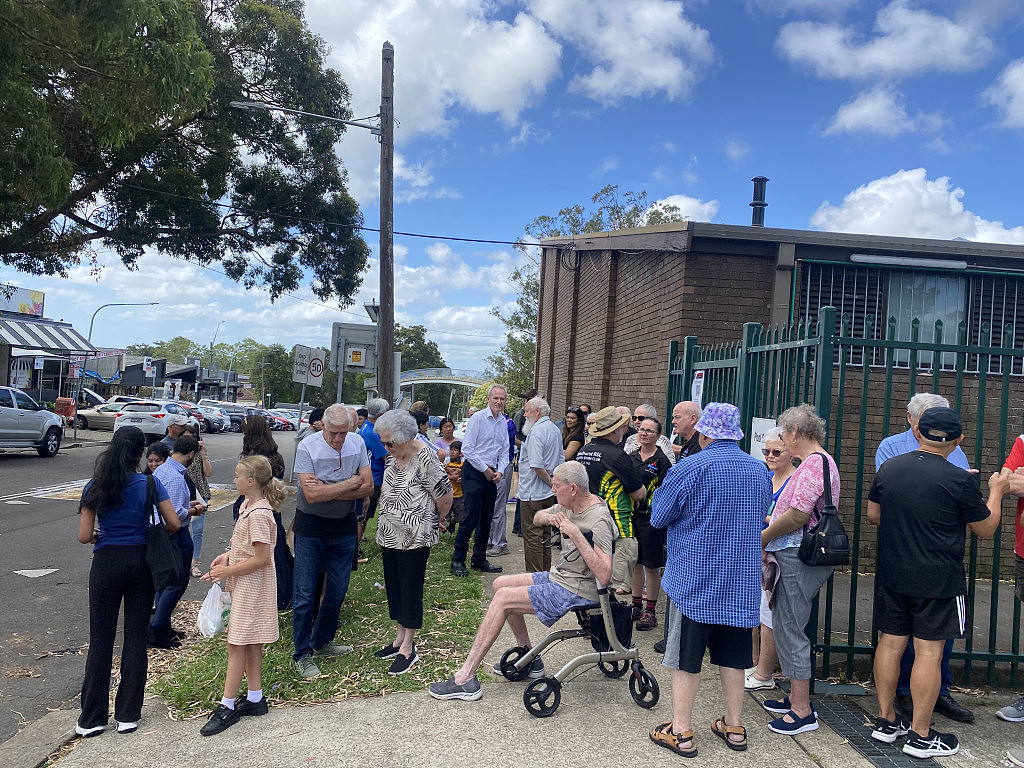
614	653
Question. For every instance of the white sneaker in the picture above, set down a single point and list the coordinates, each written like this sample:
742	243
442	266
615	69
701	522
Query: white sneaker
751	683
88	732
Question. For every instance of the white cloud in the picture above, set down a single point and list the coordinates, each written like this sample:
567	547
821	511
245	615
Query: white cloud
736	150
907	41
607	165
638	48
815	7
909	204
692	208
1007	94
879	110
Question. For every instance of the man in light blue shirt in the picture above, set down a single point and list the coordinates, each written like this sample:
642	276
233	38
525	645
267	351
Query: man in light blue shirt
485	454
540	453
897	445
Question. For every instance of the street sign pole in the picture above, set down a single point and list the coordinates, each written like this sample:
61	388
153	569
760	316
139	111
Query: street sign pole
295	452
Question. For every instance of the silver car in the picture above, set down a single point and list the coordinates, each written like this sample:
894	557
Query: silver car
24	423
100	417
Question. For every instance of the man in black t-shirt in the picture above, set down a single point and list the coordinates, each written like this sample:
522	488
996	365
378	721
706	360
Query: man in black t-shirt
614	478
923	506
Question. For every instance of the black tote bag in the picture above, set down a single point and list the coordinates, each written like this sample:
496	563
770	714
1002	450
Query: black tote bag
162	554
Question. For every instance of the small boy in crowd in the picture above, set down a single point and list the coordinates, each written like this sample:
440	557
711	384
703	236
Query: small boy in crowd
454	470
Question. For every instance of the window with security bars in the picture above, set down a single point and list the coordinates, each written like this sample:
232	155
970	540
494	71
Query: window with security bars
986	303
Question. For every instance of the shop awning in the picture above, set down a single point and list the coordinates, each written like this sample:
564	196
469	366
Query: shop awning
48	335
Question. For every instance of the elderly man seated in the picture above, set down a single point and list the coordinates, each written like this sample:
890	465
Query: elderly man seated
550	595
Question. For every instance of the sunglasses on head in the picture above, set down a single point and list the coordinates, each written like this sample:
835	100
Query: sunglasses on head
775	452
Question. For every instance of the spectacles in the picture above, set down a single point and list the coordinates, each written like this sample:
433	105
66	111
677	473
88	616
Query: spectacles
647	431
775	452
387	443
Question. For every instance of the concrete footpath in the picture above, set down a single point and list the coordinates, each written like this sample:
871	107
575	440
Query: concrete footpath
597	723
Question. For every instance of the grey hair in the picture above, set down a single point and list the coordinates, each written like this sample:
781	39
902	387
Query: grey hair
339	416
573	472
803	420
622	409
376	407
540	404
775	433
494	387
400	426
648	411
922	401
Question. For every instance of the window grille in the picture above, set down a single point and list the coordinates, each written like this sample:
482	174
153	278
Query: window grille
875	294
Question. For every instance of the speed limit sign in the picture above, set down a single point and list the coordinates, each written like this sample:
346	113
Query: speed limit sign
308	366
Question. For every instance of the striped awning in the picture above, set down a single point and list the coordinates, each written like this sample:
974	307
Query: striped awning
49	335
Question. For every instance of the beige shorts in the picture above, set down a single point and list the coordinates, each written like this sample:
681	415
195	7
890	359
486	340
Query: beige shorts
622	563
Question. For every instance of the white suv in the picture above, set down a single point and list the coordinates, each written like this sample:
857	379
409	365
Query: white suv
151	417
24	423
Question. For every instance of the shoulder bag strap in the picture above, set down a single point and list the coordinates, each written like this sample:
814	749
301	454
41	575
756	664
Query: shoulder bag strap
154	516
826	474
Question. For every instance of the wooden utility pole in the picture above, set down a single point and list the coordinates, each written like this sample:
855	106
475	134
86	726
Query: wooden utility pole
386	321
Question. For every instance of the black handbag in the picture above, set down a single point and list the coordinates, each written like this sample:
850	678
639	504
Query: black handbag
826	544
162	554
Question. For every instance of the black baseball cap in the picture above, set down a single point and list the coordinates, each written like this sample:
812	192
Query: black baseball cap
940	425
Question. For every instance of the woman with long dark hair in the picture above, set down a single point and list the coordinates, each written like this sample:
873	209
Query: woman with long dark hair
113	518
258	441
573	435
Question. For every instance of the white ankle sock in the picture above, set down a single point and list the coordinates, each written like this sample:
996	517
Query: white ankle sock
229	703
254	696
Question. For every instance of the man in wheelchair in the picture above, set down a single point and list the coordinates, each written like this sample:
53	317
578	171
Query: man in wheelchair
580	516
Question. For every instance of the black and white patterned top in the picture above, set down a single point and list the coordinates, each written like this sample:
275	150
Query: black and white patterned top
407	513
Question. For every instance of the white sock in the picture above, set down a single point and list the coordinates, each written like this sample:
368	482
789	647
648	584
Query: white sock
229	703
254	696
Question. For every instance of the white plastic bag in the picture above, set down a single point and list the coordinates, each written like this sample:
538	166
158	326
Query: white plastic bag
213	616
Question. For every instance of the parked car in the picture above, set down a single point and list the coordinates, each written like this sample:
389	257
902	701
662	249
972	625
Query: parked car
216	419
194	411
24	423
208	401
292	417
276	423
123	399
236	413
98	417
151	417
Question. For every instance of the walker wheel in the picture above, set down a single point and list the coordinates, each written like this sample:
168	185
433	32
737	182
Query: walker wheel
644	688
543	696
614	668
508	664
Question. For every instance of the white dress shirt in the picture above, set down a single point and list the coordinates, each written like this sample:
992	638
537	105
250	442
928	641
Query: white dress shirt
486	441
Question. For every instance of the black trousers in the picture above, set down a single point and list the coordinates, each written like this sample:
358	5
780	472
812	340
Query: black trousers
118	574
405	572
480	495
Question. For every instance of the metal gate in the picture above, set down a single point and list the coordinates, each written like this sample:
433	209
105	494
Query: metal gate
859	385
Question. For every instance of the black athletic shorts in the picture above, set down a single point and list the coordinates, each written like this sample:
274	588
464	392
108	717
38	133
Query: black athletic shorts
686	640
926	618
650	541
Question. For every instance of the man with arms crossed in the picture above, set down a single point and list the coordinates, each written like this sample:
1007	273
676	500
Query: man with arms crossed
539	455
923	506
333	472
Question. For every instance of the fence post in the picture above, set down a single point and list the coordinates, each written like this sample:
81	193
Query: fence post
690	349
673	352
824	363
744	386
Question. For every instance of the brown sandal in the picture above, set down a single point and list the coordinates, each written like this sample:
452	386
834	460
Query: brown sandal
663	736
720	729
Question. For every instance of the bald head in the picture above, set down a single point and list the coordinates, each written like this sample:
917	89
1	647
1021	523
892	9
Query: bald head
685	417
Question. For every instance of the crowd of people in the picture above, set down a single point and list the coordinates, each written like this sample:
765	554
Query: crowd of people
689	514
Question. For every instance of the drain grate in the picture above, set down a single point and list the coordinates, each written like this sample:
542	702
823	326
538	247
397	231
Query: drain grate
848	721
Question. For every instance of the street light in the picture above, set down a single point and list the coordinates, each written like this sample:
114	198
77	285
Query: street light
386	133
81	380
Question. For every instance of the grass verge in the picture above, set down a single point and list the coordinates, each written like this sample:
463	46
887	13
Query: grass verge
451	614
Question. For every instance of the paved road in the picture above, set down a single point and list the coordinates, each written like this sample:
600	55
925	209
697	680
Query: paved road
45	626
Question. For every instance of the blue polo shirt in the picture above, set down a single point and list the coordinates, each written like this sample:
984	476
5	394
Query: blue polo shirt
375	451
905	442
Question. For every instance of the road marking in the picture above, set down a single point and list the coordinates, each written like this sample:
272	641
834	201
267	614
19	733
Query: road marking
35	573
58	491
16	502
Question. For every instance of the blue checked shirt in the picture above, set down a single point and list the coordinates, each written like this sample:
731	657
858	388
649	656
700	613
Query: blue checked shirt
172	474
713	504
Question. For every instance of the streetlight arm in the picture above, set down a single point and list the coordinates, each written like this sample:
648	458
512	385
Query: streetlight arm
255	106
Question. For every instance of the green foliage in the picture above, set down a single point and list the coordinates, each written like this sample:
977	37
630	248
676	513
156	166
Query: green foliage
451	615
116	130
174	351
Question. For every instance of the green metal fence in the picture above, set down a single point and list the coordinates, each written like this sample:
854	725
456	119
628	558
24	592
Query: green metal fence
860	385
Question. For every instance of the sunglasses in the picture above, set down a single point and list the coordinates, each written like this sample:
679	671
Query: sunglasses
387	444
639	418
775	453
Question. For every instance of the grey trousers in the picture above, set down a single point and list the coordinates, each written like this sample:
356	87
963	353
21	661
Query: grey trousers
798	585
498	525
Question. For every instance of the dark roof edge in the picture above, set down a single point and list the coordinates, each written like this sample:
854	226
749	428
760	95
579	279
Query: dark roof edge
701	229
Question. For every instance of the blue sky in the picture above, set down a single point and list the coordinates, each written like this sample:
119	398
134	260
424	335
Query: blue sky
896	118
